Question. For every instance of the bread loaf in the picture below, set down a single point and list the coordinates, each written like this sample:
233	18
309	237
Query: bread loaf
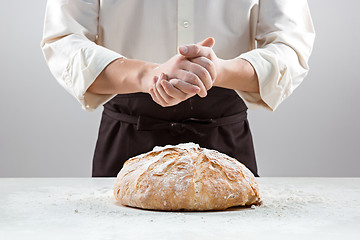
185	177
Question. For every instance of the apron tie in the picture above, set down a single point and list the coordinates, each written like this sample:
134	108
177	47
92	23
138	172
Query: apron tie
144	123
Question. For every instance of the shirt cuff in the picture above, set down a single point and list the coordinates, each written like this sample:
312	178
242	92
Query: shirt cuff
270	73
83	69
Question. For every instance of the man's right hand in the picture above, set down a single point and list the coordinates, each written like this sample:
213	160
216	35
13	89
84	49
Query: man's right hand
181	78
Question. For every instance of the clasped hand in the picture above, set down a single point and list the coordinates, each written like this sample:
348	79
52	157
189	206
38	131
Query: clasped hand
191	72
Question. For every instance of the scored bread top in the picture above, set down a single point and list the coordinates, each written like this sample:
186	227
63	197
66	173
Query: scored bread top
185	177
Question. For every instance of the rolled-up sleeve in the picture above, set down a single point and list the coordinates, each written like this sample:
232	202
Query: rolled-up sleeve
68	44
284	37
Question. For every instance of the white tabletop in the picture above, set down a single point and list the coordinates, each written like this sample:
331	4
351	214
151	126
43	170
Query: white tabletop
84	208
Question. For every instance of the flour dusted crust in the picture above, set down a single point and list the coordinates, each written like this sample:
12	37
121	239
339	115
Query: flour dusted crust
185	177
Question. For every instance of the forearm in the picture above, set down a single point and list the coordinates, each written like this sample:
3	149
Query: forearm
237	74
124	76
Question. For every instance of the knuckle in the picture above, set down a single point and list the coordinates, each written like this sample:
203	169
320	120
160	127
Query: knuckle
207	64
212	65
205	61
165	87
187	77
197	49
192	78
174	82
203	74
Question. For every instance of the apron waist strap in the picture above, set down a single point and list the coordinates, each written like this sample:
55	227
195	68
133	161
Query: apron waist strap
144	123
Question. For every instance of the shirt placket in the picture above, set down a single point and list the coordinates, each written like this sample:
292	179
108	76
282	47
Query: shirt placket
185	26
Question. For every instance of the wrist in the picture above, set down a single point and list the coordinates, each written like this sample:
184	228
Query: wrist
237	74
145	76
221	73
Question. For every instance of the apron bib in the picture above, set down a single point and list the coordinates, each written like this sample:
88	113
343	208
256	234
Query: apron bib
133	124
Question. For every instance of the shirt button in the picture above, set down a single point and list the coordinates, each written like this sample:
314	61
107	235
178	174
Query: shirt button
186	24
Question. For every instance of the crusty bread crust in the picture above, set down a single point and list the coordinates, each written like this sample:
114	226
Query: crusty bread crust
185	177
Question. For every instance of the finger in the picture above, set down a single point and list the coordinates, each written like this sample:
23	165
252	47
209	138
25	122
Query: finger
208	42
184	87
207	64
167	98
153	96
201	66
158	96
174	92
194	50
192	78
155	78
200	72
204	69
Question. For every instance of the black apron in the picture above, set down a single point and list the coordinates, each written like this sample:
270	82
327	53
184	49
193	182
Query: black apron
132	124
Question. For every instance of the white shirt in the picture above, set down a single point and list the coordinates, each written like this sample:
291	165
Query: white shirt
81	37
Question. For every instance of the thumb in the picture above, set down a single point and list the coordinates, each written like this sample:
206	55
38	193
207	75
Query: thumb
208	42
194	50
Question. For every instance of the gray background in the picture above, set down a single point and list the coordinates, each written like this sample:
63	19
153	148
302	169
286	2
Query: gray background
315	132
